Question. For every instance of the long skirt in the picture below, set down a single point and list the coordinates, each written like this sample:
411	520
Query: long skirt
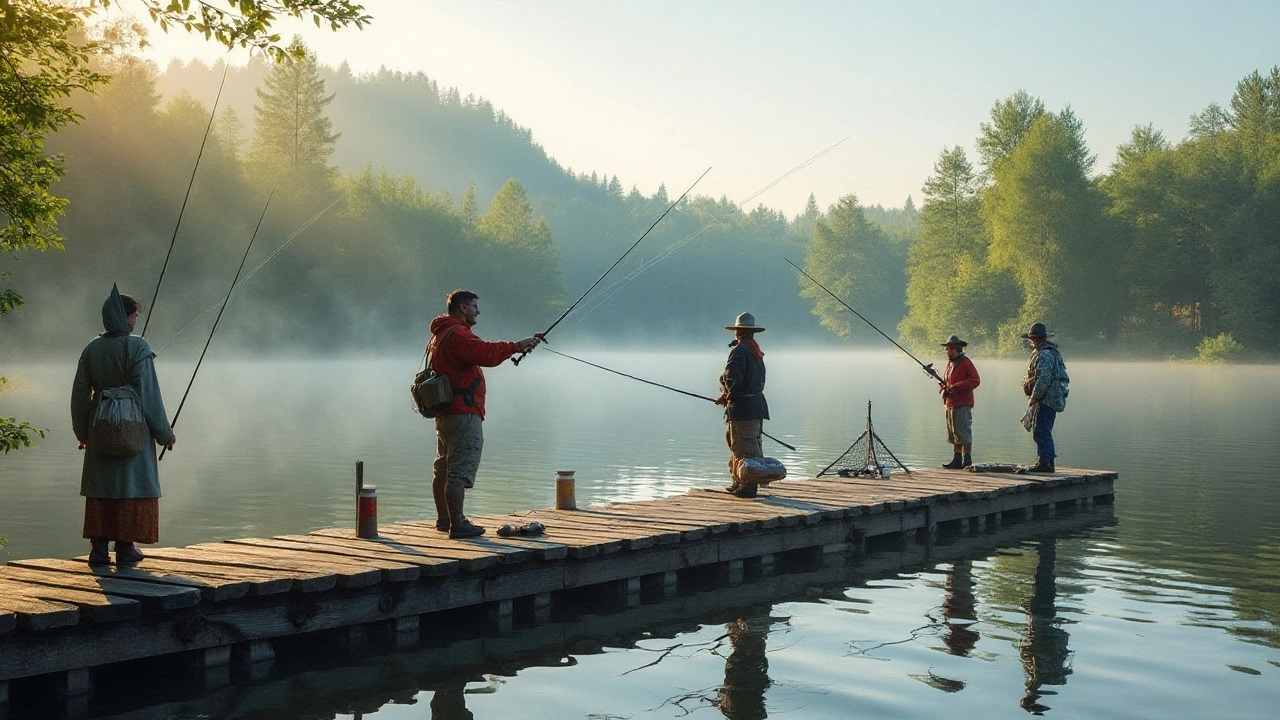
122	520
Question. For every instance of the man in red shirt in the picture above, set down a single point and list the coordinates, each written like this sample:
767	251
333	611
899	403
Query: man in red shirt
958	382
457	353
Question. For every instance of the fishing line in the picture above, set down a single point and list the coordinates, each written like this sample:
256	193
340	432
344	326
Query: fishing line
219	318
657	384
928	369
544	333
618	285
190	184
279	249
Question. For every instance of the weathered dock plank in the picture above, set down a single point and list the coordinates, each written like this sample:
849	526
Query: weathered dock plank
94	606
153	596
429	565
283	575
212	589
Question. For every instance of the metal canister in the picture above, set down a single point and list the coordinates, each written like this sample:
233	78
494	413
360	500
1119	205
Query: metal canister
565	499
367	517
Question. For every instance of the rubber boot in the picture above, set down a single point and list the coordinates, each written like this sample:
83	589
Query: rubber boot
968	461
98	553
955	464
442	507
459	525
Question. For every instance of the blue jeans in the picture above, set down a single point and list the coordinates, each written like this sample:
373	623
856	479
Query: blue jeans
1043	433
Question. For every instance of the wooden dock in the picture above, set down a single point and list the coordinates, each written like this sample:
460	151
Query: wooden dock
223	603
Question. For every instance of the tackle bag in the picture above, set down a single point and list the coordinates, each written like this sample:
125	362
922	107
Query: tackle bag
432	393
760	470
118	427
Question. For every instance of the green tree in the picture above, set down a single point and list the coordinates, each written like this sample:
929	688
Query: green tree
1011	120
45	57
950	287
509	223
854	259
1048	230
293	139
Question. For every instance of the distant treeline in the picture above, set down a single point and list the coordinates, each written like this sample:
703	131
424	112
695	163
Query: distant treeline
390	191
1175	248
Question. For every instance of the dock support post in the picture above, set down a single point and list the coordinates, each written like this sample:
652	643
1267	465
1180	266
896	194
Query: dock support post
767	565
858	543
734	571
254	652
405	631
76	682
542	608
833	553
631	592
354	638
213	666
501	615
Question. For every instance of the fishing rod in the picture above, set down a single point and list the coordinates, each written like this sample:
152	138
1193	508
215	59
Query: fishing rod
658	384
249	275
605	295
219	318
563	315
928	369
190	184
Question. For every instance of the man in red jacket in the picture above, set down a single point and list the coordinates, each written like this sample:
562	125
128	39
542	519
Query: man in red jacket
457	353
958	381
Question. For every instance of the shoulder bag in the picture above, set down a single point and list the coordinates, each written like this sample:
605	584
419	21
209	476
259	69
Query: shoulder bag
431	392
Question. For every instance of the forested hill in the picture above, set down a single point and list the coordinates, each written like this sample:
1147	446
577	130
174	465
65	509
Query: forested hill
389	191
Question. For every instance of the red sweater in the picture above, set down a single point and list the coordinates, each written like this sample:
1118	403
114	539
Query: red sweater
962	378
460	358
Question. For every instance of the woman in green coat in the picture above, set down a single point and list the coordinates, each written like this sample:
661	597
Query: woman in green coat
122	494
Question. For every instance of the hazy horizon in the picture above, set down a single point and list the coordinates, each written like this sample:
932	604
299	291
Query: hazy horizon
753	89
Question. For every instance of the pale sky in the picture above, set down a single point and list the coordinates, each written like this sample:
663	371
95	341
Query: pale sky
655	91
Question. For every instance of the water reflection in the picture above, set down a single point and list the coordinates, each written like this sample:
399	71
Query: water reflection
450	703
958	610
746	669
1043	650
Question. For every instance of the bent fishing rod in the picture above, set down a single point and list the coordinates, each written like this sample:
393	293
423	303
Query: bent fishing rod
190	184
658	384
563	315
928	369
219	317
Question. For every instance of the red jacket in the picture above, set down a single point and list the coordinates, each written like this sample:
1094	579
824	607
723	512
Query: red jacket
460	358
962	378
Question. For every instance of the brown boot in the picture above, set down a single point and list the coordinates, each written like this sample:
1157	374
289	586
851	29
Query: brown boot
442	507
459	525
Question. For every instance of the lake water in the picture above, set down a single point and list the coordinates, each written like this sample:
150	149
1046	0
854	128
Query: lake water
1165	606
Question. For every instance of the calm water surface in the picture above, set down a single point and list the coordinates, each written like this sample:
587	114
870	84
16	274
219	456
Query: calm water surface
1168	608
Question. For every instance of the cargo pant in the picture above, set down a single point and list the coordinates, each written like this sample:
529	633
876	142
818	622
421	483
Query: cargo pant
459	441
743	437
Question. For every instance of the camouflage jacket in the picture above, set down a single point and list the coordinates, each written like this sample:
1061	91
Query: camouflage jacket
1047	379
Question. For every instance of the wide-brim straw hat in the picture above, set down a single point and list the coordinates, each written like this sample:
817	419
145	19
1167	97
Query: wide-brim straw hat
1038	330
745	321
954	340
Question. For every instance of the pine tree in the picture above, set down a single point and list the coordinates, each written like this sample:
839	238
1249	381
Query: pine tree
293	139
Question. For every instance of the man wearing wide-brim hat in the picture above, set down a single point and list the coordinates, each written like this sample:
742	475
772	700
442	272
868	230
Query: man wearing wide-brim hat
1046	386
959	380
742	395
